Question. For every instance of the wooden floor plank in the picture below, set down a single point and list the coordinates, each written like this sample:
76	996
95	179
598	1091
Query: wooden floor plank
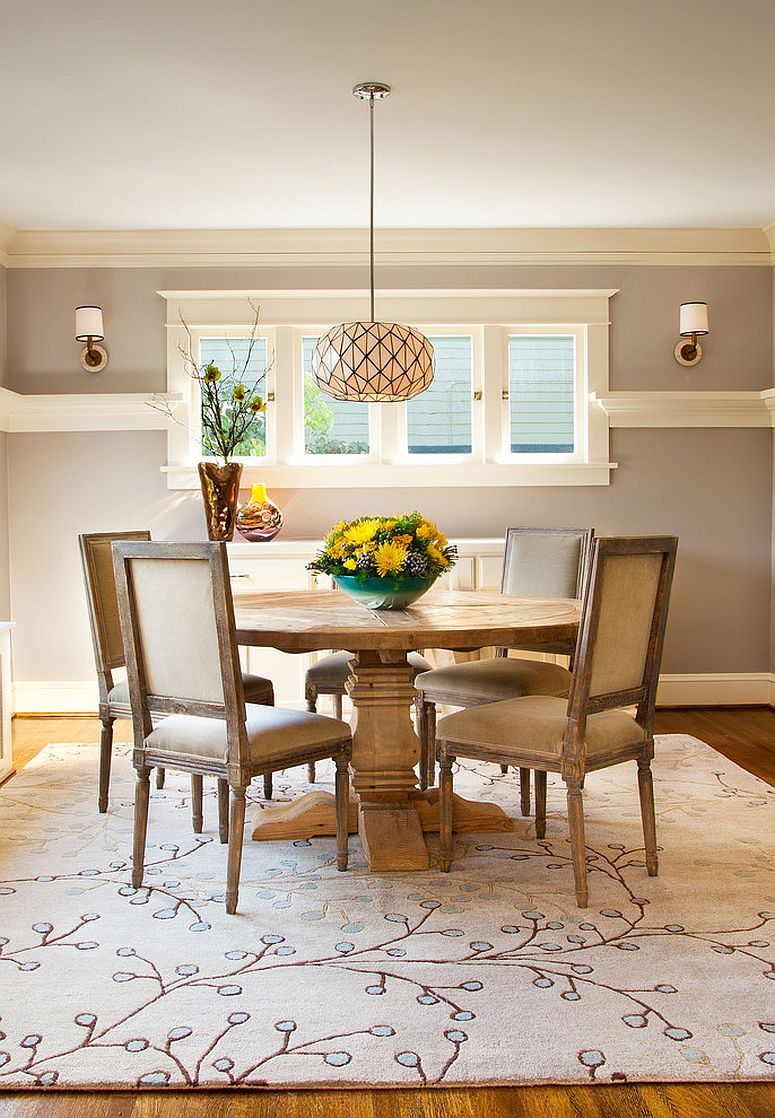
745	735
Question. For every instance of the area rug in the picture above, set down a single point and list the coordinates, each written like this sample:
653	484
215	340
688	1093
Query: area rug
487	975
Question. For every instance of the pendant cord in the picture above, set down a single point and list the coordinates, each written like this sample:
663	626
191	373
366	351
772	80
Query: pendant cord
371	205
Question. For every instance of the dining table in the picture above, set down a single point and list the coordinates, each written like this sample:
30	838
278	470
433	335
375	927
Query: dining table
389	811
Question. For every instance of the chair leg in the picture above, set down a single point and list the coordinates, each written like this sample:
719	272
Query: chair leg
524	791
106	753
445	811
540	779
342	810
197	817
267	786
338	706
430	753
504	769
311	772
577	843
223	810
236	828
142	795
646	792
160	775
422	733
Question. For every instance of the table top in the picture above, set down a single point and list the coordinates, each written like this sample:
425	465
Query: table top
311	620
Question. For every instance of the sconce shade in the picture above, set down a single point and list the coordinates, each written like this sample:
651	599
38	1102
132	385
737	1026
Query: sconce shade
88	324
378	362
694	319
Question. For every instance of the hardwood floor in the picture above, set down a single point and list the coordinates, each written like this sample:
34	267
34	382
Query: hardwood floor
745	735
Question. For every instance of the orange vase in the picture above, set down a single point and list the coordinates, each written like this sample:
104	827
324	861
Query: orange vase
259	519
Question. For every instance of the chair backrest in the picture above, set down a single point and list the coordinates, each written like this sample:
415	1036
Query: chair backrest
177	617
97	559
622	630
545	562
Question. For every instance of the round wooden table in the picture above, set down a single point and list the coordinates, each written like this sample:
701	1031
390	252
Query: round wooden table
392	812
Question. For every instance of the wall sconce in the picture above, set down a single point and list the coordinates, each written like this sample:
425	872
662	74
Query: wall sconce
693	325
89	329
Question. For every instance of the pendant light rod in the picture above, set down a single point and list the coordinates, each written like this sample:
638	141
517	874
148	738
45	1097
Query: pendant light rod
371	92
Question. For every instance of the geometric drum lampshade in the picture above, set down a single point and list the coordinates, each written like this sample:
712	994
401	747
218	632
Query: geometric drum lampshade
380	362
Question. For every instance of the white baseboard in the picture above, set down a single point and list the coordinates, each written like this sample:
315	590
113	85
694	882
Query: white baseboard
724	689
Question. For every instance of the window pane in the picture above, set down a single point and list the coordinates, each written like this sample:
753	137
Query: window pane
439	420
541	386
331	426
239	365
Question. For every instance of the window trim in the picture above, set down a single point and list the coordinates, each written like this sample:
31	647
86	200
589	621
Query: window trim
485	314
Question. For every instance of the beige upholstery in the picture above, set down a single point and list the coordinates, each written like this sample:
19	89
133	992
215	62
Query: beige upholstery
334	670
97	555
180	646
273	734
489	681
628	591
256	688
542	564
535	726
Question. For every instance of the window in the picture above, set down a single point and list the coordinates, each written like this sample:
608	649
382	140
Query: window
330	426
439	420
541	393
241	363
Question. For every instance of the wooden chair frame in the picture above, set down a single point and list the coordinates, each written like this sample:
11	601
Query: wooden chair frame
429	700
574	761
238	770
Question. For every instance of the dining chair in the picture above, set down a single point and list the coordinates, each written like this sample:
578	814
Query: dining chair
537	563
618	653
100	582
177	618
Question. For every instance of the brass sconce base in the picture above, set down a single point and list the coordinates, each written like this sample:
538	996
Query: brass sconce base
688	352
94	358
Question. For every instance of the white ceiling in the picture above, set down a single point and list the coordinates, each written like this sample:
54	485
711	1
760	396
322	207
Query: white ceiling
159	114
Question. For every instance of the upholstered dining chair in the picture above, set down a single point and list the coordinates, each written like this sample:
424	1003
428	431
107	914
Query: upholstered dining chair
109	655
537	563
618	654
177	617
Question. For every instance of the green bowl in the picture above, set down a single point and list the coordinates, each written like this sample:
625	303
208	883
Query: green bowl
379	593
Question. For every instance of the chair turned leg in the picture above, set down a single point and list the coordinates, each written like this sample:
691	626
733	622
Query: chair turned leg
312	706
160	776
421	712
540	802
646	792
267	786
106	753
577	844
197	818
142	794
445	811
236	828
504	769
342	810
430	753
311	772
223	810
524	791
338	707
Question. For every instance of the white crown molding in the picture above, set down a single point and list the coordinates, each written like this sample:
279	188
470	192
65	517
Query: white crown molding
336	247
109	411
688	409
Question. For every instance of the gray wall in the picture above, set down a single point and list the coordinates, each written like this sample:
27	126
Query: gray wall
713	488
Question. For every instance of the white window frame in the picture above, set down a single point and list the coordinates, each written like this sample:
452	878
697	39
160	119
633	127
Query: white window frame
488	316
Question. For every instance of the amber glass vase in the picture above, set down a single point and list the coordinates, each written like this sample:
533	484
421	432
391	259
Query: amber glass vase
259	519
220	489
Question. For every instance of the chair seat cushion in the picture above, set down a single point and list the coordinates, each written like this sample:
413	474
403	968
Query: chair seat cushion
257	690
274	735
334	670
489	681
534	727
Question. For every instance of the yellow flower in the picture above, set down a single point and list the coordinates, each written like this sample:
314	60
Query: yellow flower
389	558
350	564
365	549
436	555
423	531
361	533
402	541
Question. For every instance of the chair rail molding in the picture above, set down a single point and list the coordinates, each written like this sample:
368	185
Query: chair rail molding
104	411
688	409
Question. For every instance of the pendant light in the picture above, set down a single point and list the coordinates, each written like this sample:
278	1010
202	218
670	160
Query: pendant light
372	361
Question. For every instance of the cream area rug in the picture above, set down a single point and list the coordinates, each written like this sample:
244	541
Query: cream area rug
487	975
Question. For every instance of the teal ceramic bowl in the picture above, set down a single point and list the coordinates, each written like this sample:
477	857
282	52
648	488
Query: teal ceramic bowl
378	593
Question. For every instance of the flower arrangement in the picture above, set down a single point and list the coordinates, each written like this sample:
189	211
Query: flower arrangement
389	547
